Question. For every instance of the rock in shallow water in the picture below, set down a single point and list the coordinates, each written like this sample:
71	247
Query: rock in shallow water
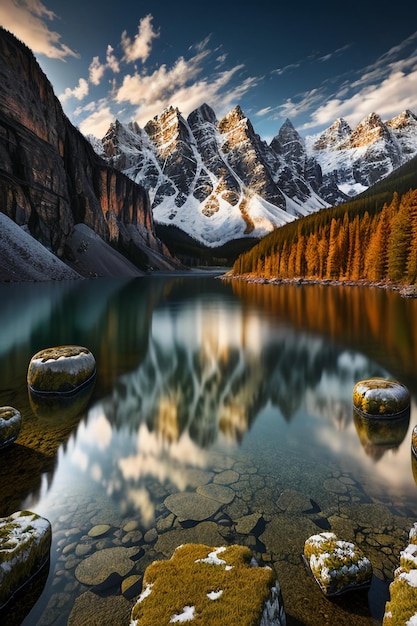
402	606
61	369
10	424
220	585
25	542
337	566
380	396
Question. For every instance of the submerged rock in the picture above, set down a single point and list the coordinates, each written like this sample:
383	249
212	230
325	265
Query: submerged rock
25	542
223	586
337	566
61	370
10	424
105	566
401	609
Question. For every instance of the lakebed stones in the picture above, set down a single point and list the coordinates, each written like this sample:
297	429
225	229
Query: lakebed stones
401	609
10	424
25	542
220	586
337	566
104	566
61	370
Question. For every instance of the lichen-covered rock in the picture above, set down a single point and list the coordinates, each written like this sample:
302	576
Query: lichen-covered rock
337	566
10	424
380	396
61	369
401	609
25	542
217	586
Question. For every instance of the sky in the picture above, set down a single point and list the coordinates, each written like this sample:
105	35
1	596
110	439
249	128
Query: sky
311	62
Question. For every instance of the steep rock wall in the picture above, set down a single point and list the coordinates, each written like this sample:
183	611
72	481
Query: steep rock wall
51	178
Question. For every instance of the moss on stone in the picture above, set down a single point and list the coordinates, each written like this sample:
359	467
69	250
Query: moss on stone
10	424
402	605
237	591
336	565
60	369
380	396
25	540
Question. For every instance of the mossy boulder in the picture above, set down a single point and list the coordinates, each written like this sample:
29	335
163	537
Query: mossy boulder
337	566
61	370
25	542
381	397
401	609
216	586
10	424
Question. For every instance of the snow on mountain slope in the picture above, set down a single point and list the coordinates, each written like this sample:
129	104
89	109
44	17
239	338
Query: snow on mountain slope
359	158
217	181
22	257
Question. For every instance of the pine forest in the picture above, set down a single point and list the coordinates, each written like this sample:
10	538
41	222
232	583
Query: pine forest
358	241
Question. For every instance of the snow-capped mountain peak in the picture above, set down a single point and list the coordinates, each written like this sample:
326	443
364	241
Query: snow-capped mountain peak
217	180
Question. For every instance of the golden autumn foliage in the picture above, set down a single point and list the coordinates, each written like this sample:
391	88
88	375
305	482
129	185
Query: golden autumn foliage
360	241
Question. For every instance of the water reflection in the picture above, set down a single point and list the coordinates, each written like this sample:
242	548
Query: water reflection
188	365
211	370
195	376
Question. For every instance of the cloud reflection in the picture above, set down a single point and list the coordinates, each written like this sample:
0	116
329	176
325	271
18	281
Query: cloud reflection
208	375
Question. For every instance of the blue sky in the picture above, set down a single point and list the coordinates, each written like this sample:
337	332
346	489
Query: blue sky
311	62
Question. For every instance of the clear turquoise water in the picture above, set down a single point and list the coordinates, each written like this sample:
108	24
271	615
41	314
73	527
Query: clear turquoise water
196	377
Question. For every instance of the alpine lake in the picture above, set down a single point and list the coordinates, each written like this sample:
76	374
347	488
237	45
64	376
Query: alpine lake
237	394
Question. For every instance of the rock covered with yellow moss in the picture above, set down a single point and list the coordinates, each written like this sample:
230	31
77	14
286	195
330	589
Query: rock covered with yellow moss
10	424
401	610
25	542
337	566
204	585
61	369
381	396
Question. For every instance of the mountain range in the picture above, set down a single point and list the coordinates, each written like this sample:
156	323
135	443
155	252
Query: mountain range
211	183
218	180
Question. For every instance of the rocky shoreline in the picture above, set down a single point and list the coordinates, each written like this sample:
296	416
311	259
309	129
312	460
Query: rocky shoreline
409	291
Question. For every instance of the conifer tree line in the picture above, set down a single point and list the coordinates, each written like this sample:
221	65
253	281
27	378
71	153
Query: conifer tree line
357	241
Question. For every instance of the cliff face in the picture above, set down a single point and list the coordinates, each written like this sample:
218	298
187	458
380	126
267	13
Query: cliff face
51	178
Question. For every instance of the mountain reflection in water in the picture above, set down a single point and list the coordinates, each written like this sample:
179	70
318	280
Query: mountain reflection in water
193	370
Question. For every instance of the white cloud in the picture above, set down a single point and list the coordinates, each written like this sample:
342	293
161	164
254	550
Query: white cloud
182	86
97	123
79	92
27	20
112	61
96	71
398	91
140	47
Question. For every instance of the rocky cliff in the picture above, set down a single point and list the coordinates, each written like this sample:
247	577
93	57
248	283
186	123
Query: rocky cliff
50	177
